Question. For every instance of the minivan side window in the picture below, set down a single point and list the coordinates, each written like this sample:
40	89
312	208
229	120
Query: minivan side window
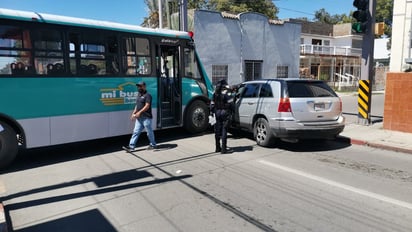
266	91
251	90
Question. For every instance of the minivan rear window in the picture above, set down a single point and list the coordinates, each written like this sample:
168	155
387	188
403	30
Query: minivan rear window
299	89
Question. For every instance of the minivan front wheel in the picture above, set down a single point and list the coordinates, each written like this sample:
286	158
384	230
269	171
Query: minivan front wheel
262	133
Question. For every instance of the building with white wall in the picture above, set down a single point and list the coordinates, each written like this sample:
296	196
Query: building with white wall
330	53
246	46
401	53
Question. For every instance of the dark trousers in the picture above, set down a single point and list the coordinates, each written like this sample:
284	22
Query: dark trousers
222	121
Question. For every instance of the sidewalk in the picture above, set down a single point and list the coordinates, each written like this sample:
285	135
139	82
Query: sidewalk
375	136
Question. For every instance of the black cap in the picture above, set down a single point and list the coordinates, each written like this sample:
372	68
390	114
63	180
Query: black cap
141	83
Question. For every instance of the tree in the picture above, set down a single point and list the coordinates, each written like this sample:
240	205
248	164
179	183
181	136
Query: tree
265	7
384	13
153	19
323	16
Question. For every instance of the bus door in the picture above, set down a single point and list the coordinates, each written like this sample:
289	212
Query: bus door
169	82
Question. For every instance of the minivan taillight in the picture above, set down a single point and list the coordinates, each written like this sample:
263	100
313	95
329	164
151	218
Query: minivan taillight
284	105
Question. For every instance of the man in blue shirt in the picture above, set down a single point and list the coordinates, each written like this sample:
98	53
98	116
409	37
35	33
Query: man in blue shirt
142	113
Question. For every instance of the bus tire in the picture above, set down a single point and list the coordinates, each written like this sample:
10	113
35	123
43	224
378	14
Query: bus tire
196	117
8	145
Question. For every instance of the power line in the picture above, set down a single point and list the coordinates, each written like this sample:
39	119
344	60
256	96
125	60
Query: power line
302	12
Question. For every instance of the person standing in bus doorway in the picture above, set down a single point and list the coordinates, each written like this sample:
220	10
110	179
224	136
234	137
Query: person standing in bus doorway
142	113
221	106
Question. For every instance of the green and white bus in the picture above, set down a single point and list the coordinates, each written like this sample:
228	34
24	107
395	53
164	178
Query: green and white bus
65	79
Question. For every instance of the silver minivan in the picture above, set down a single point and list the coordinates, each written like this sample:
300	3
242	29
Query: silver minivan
288	109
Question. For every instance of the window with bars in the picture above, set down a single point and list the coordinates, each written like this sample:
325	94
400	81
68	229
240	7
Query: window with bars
282	71
253	70
219	72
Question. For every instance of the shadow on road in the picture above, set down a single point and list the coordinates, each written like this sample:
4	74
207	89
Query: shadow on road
309	145
38	157
81	221
78	222
314	145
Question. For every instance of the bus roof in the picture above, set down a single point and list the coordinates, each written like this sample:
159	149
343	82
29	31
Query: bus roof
81	22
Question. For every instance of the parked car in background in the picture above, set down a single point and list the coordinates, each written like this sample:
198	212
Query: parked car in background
288	109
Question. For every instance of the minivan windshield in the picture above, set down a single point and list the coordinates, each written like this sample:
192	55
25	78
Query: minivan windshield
300	89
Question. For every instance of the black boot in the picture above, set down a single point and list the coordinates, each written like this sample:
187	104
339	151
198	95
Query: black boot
224	148
218	149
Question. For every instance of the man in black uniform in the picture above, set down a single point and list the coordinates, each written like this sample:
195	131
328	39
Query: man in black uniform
222	106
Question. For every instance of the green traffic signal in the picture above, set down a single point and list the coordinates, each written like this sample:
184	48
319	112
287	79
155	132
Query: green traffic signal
361	15
359	27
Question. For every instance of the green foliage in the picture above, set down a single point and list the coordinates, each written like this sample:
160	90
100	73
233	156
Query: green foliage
323	16
265	7
384	13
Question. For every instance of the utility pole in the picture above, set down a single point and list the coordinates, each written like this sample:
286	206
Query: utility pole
183	15
160	13
365	16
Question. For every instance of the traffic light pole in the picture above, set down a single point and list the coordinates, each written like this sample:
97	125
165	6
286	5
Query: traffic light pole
367	59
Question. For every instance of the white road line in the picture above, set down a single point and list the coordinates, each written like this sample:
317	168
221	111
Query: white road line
339	185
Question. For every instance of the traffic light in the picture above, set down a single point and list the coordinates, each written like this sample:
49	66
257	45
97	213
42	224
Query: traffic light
361	15
379	28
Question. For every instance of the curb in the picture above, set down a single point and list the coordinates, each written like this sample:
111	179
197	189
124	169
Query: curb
3	224
374	145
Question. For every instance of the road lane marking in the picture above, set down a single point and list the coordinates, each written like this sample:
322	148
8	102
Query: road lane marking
339	185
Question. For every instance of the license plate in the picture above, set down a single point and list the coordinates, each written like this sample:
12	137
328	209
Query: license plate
319	106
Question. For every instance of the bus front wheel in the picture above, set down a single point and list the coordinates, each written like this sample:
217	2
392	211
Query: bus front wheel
8	145
196	118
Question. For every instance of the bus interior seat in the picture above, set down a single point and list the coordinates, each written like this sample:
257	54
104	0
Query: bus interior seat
83	69
50	68
55	69
17	68
59	68
92	69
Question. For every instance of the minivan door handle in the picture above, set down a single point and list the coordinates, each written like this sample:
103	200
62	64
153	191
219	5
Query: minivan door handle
250	103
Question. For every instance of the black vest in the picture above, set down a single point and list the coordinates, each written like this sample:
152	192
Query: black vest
221	101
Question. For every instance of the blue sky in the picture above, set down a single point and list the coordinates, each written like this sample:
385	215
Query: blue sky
133	11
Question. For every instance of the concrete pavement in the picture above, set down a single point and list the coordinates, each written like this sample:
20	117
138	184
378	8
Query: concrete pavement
375	136
369	135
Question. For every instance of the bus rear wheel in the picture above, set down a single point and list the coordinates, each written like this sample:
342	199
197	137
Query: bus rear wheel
196	117
8	145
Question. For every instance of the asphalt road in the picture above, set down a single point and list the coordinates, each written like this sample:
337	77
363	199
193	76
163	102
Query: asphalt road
184	186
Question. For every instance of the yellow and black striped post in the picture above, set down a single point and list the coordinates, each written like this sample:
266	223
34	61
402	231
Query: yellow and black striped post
364	101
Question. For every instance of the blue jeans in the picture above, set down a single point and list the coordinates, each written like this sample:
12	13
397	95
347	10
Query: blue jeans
140	124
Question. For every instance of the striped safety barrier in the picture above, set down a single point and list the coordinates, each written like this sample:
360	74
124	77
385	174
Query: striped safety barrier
364	95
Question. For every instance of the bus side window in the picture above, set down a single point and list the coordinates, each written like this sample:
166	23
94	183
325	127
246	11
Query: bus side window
48	45
136	56
15	55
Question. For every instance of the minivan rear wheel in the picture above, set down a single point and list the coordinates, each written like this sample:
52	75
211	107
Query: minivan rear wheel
262	133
